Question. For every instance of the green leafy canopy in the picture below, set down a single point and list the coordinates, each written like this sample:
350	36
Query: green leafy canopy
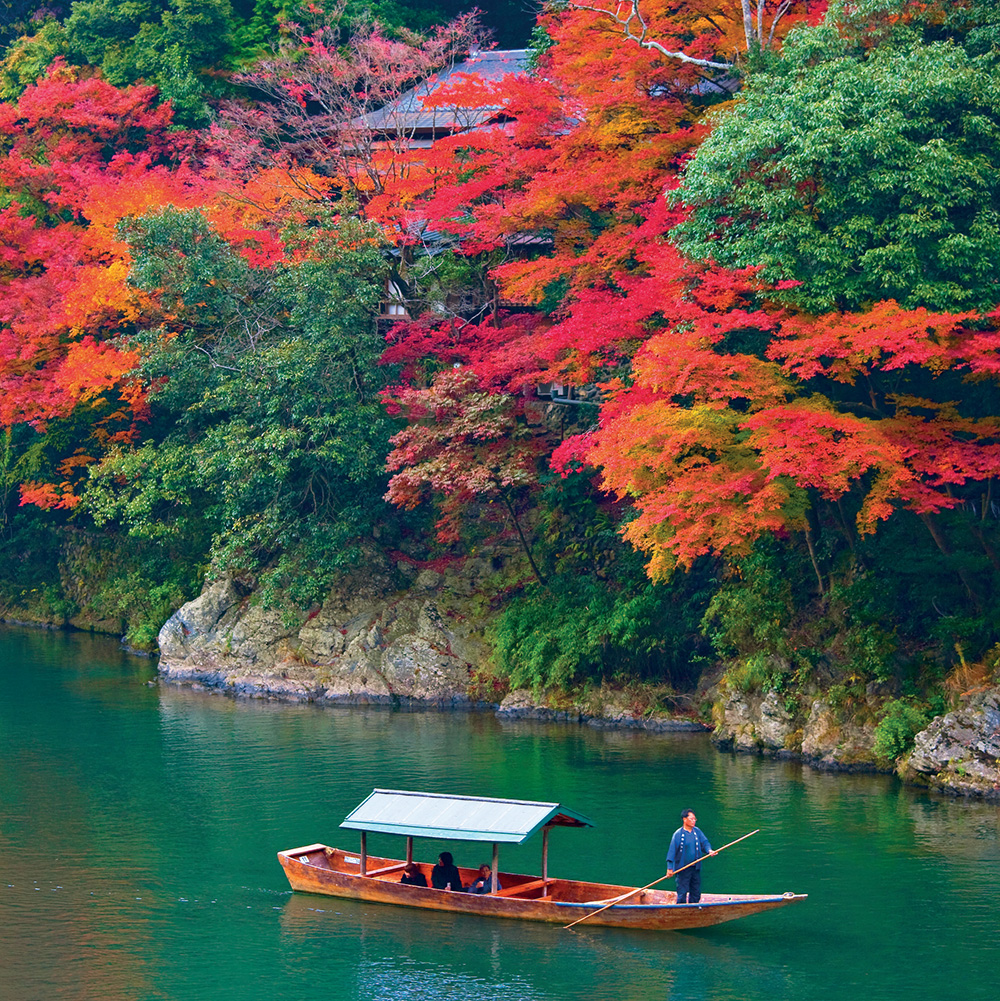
266	418
865	172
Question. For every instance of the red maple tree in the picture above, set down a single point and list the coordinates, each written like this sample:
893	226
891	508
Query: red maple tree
564	196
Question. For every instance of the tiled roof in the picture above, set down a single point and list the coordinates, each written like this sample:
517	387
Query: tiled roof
407	113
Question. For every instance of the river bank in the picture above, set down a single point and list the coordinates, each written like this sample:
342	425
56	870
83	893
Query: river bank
424	647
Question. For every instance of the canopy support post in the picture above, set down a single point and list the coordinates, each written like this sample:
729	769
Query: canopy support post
409	850
364	853
545	852
496	864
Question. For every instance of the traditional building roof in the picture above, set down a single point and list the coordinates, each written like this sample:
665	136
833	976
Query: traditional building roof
408	115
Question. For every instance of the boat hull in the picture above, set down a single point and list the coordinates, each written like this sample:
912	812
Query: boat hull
327	871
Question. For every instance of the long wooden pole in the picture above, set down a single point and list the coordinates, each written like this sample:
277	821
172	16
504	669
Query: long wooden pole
632	893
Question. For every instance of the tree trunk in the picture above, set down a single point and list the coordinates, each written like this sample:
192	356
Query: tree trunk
748	24
991	555
942	543
840	519
524	542
812	556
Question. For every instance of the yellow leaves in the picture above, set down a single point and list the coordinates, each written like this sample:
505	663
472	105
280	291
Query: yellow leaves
262	199
90	369
524	282
73	462
253	214
112	196
100	293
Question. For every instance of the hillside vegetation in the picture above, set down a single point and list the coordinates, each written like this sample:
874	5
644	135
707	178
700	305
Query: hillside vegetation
700	339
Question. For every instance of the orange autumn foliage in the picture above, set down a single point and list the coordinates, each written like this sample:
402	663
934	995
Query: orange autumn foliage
79	156
717	443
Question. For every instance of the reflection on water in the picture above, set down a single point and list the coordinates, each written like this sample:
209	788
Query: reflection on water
139	825
444	954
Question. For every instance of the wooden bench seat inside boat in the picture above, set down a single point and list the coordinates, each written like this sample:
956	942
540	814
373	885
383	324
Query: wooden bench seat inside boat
516	891
386	869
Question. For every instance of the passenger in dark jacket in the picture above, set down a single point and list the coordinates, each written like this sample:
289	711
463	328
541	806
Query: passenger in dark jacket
412	876
445	875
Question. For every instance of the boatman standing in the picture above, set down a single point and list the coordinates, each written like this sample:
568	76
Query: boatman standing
686	846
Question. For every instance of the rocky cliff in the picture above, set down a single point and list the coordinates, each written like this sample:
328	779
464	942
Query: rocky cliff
959	752
803	726
365	644
420	645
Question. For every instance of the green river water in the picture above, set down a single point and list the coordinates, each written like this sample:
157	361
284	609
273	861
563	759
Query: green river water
139	825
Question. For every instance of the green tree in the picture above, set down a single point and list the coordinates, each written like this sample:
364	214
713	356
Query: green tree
862	163
28	57
166	42
267	424
901	721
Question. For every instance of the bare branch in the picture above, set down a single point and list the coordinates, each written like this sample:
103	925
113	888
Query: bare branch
747	23
335	107
778	14
208	354
636	30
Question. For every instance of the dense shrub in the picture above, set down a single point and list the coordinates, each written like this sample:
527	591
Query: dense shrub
901	721
581	629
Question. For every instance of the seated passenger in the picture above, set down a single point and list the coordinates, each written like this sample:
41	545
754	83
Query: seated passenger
445	875
412	875
483	883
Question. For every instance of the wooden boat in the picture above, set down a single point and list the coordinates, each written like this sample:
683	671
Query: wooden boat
318	868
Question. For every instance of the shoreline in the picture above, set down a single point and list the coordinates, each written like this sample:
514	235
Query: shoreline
952	780
947	784
215	683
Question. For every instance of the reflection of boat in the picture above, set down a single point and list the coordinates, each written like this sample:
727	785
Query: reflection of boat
359	876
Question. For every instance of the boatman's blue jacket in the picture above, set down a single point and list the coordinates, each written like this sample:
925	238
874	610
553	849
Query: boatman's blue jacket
685	847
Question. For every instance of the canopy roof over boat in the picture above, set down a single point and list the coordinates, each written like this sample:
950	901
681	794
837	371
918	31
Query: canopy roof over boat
458	818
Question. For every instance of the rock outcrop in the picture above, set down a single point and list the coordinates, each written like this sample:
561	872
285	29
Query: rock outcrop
805	727
369	645
959	753
417	645
833	743
754	722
